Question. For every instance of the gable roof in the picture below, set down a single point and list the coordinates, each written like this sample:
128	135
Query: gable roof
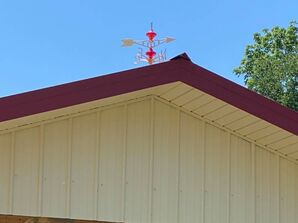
179	68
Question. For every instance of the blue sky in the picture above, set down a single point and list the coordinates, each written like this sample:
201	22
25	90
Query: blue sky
50	42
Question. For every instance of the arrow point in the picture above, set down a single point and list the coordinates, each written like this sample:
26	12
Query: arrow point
127	42
169	39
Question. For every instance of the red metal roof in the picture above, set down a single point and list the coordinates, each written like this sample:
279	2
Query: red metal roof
179	68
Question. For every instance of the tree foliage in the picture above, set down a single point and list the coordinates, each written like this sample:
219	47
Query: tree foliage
270	65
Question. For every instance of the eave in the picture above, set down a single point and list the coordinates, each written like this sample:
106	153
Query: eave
179	82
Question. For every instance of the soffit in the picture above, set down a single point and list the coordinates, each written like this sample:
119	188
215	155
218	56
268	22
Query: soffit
233	119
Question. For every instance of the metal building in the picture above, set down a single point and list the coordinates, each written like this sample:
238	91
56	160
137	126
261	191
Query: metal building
167	143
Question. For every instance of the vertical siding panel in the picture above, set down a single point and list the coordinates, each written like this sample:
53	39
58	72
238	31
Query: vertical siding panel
110	200
266	189
138	162
151	157
204	173
68	172
179	163
11	172
241	183
96	171
165	179
191	169
5	154
277	180
124	164
25	198
217	142
295	191
295	186
253	180
55	169
229	179
40	168
288	191
82	167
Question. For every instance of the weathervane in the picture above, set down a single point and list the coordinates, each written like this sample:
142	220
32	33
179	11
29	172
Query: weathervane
150	55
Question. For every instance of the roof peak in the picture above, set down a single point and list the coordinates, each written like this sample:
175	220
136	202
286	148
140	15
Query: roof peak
183	56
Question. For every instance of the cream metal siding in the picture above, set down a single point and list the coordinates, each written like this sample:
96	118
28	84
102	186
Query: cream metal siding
25	188
266	186
144	161
289	191
5	174
138	162
55	169
241	181
216	175
191	171
83	167
112	164
165	164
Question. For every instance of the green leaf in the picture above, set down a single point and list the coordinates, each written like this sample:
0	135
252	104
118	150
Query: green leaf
270	65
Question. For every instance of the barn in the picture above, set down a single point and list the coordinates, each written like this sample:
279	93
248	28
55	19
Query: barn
166	143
